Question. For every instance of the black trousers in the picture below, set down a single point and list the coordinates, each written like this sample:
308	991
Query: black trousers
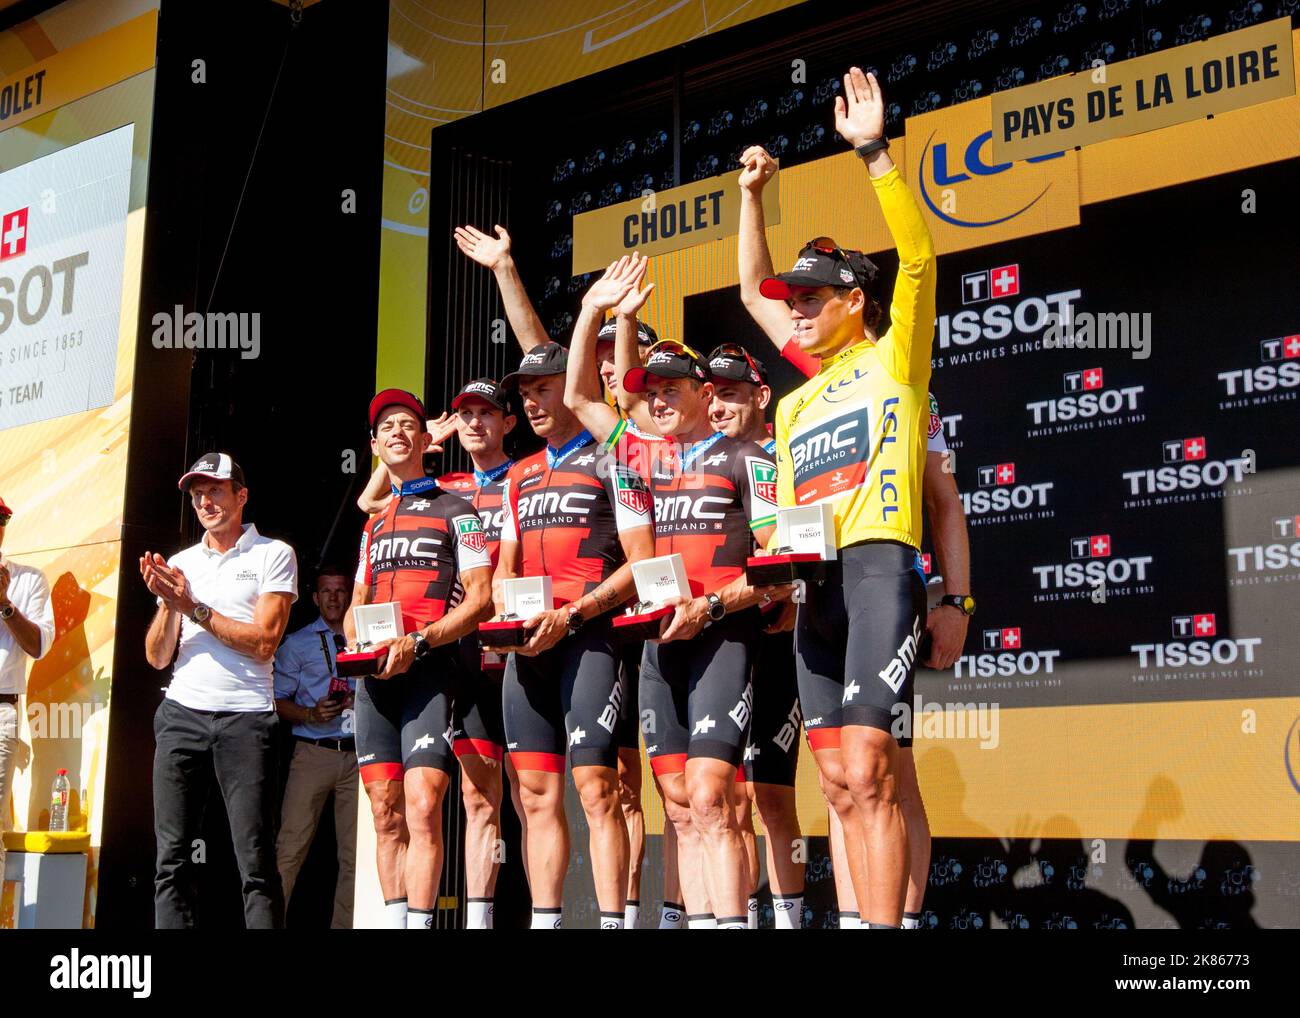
237	749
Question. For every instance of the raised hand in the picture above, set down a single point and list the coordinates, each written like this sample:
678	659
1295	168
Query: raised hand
759	168
636	297
442	429
487	251
610	289
860	111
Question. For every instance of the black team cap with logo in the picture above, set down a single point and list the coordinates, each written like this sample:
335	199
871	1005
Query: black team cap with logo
822	263
666	362
485	389
732	363
645	336
547	359
216	465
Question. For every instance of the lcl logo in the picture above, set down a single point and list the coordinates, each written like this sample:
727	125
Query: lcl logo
935	171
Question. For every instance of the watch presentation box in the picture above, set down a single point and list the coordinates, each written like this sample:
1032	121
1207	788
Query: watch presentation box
358	663
505	632
659	581
642	622
492	662
374	623
526	596
805	538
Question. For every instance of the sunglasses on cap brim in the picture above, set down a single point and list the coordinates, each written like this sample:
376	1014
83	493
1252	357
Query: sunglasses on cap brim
737	352
674	346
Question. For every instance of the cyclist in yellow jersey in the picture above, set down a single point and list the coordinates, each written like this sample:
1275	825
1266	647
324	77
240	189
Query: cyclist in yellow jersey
854	436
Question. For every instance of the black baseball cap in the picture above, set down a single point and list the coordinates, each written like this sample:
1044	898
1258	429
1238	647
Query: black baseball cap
547	359
822	263
645	336
397	397
668	361
485	389
216	465
732	362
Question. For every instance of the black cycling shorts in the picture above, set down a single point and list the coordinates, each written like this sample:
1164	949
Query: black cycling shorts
627	734
477	728
405	721
772	756
695	694
568	697
856	642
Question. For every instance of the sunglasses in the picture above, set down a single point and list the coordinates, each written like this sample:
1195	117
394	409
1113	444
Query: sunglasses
674	346
857	262
735	352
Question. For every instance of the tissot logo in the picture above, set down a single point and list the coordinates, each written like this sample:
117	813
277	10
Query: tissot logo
999	492
1278	370
1193	470
1186	627
1196	641
1087	398
1028	316
1004	281
1077	381
1276	561
1092	566
1010	658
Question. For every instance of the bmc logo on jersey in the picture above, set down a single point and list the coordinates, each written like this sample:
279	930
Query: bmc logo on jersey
763	474
1004	281
631	492
469	530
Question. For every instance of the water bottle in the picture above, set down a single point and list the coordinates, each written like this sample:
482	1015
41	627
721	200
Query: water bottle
59	801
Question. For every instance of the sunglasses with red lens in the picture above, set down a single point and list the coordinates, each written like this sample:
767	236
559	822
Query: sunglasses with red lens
737	352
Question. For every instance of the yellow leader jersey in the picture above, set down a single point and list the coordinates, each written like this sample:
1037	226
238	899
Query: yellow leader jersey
854	434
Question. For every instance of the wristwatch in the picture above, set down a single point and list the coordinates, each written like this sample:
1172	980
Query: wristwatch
964	603
7	611
421	644
716	608
575	620
200	614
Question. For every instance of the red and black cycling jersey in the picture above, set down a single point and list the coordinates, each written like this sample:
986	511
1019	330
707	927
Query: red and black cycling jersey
415	550
709	498
485	491
566	508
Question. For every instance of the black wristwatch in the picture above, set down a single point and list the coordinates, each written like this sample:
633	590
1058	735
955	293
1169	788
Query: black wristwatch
964	603
716	608
422	646
7	611
200	614
575	620
870	148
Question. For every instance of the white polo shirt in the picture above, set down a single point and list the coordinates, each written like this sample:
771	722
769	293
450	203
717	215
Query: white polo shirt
30	594
208	675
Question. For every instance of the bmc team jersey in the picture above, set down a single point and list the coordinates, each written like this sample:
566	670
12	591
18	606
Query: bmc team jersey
566	508
709	498
484	491
414	551
854	434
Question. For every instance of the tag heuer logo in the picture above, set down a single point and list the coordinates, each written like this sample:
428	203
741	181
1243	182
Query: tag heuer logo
846	275
632	493
764	476
470	531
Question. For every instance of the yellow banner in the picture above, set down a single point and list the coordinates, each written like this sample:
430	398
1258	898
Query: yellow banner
1223	73
71	74
971	199
664	221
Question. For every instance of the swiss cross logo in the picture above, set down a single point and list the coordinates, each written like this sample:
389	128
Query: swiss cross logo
13	234
1282	348
1193	627
1082	381
1005	280
1096	546
1178	450
1002	639
469	529
764	476
1092	379
925	562
1006	473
